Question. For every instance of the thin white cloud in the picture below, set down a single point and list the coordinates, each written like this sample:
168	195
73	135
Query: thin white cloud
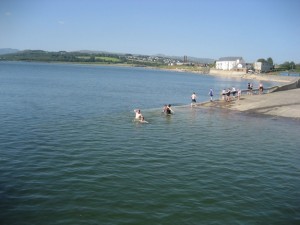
61	22
7	13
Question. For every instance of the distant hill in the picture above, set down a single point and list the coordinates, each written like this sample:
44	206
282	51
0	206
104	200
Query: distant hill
200	60
190	59
90	56
4	51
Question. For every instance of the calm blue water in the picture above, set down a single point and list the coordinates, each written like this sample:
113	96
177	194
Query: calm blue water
71	154
293	74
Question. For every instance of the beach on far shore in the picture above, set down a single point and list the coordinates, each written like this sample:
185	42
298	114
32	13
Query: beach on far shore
241	75
250	76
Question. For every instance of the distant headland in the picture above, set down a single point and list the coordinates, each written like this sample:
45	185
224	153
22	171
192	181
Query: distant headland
237	67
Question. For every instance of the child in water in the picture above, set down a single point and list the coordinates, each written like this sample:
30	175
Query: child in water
142	120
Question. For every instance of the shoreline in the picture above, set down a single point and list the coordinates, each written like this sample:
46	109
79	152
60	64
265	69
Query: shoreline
243	75
260	77
213	72
284	104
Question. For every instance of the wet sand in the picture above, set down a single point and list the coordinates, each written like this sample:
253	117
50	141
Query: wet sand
281	104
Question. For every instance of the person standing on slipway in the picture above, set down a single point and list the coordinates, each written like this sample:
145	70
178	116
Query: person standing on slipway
193	97
211	94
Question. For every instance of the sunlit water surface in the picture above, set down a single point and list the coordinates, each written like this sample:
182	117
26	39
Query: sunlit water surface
71	153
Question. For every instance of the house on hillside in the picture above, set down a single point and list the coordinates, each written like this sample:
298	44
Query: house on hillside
262	67
230	63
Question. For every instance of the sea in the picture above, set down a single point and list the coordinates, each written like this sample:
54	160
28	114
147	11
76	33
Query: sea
71	152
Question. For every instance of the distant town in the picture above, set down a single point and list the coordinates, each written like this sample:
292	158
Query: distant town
160	61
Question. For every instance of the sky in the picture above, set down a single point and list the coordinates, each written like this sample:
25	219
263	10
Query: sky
251	29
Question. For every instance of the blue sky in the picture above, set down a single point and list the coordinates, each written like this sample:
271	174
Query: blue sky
252	29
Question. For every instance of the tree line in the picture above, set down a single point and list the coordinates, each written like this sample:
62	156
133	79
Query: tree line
62	56
107	58
76	57
285	66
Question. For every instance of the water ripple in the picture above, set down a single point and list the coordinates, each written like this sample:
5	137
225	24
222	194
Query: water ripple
199	166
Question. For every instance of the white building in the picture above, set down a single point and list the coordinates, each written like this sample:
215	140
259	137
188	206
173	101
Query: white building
262	67
230	63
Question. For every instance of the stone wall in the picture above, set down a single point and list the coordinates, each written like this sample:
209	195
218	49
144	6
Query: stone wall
226	72
290	86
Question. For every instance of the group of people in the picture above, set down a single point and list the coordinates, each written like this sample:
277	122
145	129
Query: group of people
167	110
226	95
227	92
139	117
194	97
250	89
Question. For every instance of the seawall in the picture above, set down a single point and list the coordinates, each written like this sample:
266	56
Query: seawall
290	86
228	73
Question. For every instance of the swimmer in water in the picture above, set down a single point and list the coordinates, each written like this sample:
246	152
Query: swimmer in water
138	114
165	109
142	120
169	111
